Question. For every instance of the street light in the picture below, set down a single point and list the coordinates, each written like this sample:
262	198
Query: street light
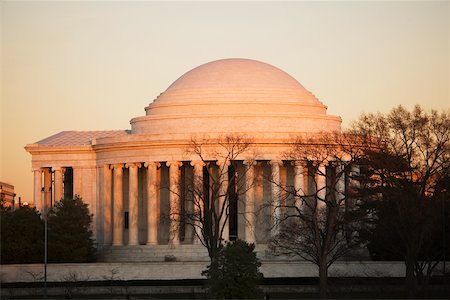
45	216
45	249
443	238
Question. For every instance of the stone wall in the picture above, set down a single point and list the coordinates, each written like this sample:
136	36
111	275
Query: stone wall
189	270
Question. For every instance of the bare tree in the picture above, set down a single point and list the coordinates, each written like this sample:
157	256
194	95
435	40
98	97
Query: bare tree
214	185
407	172
317	222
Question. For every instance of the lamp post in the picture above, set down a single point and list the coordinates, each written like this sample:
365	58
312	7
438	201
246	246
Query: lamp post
44	192
45	249
443	238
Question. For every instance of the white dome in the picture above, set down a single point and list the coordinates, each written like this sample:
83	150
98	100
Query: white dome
235	96
235	74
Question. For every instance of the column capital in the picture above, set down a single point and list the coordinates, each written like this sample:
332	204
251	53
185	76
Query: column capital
36	169
340	167
198	163
354	170
133	165
250	162
319	163
226	162
152	164
58	168
274	162
117	166
174	163
298	163
322	165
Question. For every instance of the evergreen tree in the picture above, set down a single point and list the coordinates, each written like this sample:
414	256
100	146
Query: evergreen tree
234	273
22	236
69	233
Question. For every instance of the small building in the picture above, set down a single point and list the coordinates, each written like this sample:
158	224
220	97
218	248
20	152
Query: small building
7	195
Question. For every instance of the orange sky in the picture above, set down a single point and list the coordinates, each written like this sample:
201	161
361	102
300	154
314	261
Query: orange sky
96	65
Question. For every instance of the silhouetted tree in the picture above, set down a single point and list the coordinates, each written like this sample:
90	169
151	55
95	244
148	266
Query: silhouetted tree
69	232
317	222
406	173
22	235
212	186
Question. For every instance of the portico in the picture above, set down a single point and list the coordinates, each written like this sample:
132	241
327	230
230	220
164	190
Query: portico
140	202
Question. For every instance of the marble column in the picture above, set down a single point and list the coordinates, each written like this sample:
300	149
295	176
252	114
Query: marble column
198	199
250	217
118	205
37	194
174	202
223	199
107	229
152	203
47	188
276	195
59	192
321	186
340	184
78	181
299	183
133	203
353	186
355	173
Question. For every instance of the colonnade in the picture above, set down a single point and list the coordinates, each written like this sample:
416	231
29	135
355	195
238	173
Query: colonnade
42	194
110	201
114	202
51	184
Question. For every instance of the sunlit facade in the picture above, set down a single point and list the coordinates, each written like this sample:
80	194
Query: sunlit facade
7	195
125	175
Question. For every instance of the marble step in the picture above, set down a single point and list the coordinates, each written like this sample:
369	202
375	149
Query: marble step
160	253
153	253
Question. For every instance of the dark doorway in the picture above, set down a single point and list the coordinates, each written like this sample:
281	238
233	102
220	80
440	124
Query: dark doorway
233	200
68	183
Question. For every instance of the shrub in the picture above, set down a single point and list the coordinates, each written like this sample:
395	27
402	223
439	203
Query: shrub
234	274
22	236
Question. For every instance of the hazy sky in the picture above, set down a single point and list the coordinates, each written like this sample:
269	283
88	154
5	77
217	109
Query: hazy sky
96	65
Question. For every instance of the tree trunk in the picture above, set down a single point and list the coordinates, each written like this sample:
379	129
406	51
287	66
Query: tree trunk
323	279
410	279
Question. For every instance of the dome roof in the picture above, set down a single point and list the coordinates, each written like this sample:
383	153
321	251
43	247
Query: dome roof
235	96
235	73
243	80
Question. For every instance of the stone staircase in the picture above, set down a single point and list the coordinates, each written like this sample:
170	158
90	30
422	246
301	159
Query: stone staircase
161	253
157	253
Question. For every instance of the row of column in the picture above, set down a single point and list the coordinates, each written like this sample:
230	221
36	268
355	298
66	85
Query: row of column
152	213
114	232
42	195
152	189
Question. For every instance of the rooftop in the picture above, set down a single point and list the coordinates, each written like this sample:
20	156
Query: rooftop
79	138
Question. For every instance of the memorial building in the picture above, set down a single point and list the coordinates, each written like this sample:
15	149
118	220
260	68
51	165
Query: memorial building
126	176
